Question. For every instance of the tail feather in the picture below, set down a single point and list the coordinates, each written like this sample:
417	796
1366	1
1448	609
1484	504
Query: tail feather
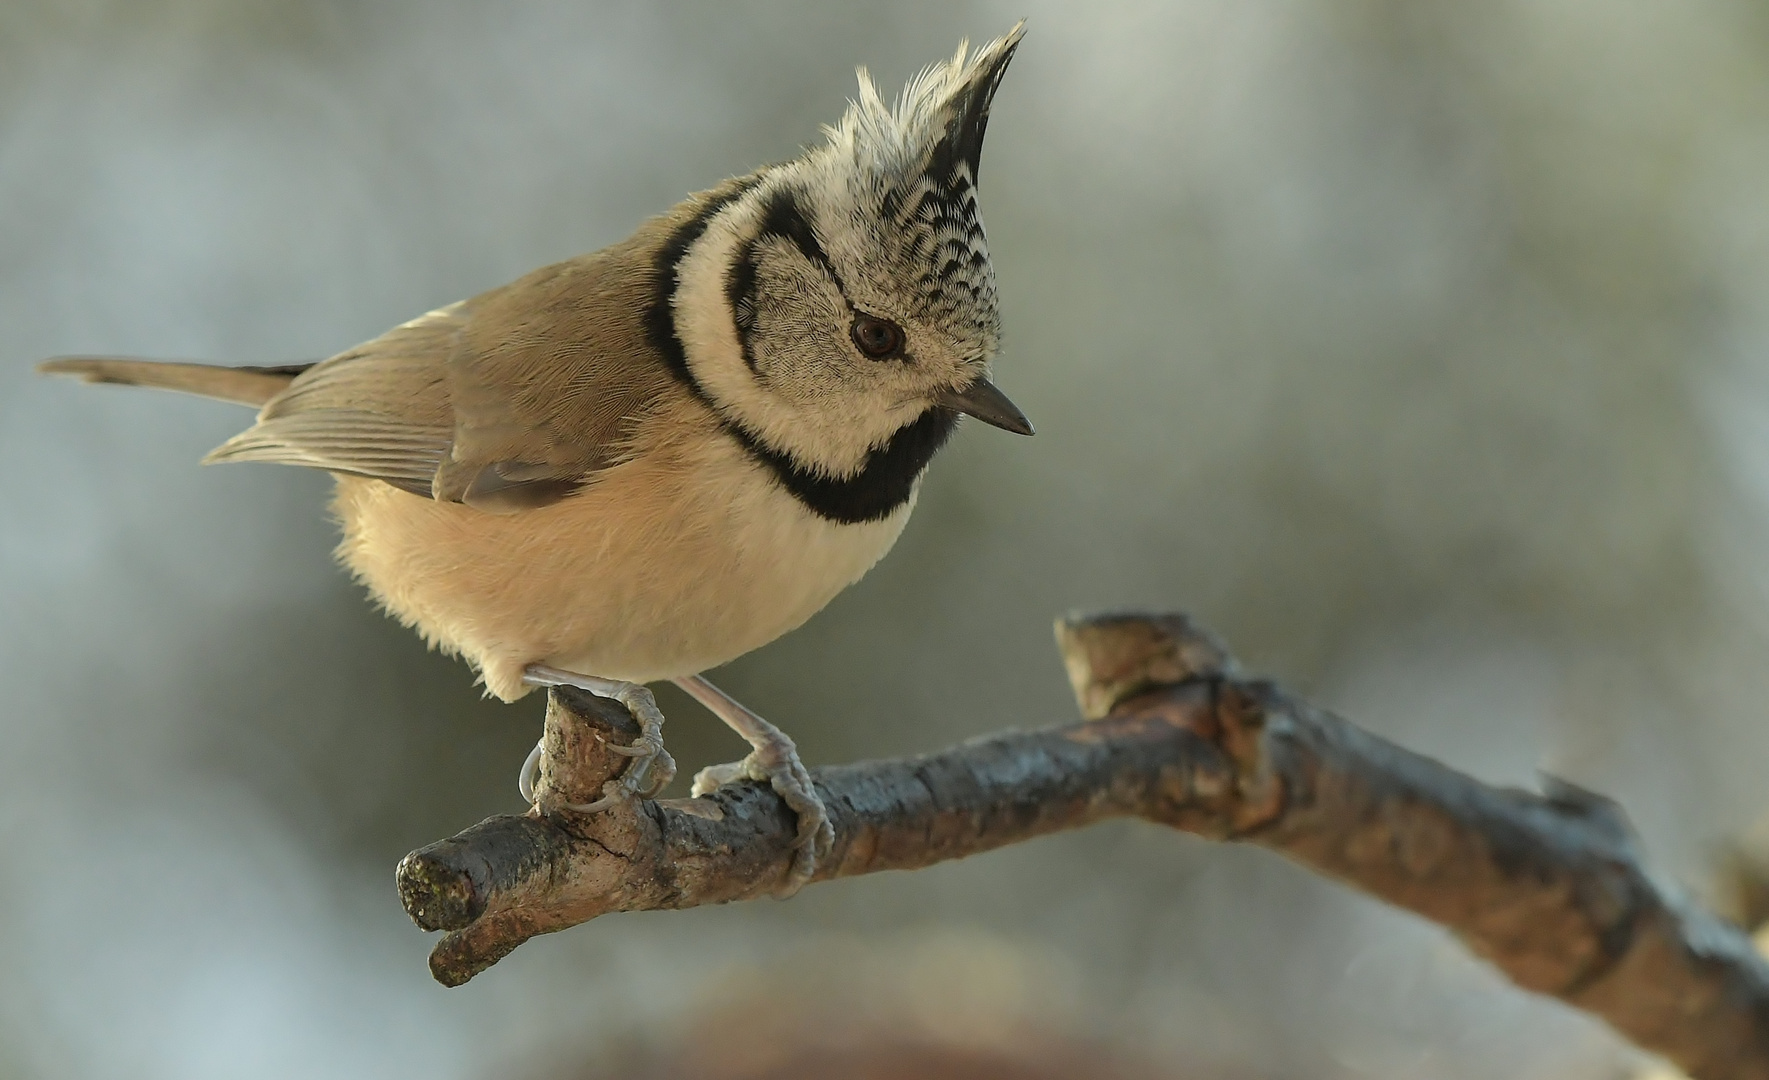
245	385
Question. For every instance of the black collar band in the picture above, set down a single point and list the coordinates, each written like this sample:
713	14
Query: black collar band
884	482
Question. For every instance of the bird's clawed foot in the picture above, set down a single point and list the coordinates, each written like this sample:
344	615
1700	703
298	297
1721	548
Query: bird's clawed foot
779	766
775	760
652	767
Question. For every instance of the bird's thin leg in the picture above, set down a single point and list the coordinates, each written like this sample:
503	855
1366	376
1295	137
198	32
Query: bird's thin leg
774	759
652	768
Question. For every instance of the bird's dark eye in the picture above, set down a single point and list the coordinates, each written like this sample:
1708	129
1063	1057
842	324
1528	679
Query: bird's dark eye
877	338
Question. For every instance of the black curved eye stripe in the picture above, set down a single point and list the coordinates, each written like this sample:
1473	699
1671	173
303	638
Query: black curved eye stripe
740	293
783	218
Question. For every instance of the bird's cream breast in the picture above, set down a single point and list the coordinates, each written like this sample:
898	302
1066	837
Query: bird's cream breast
678	560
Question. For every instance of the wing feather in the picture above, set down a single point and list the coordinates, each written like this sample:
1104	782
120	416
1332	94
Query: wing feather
380	409
510	400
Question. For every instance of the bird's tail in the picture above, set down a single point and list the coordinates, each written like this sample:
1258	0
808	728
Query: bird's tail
245	385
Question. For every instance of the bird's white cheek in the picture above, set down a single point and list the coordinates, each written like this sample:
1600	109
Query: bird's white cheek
804	403
704	320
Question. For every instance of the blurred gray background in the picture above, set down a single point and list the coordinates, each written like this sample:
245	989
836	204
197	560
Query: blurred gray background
1421	348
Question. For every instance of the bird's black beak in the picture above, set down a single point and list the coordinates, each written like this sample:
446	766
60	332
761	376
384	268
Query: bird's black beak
985	401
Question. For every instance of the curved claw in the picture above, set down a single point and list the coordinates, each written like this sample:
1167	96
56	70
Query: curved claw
531	769
606	802
660	768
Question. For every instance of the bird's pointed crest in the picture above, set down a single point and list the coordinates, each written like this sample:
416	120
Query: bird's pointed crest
911	167
936	125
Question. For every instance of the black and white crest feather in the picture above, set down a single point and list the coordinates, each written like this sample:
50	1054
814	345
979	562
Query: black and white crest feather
912	170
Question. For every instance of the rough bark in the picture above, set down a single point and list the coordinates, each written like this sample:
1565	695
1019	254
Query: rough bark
1549	887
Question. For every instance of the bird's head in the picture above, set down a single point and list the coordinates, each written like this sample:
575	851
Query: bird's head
837	301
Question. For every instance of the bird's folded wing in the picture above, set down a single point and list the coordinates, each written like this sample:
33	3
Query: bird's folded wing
548	379
379	410
510	400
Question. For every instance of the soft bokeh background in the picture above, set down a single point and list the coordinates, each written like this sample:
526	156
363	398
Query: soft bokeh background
1420	347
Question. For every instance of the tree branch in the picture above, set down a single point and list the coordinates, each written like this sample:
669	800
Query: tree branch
1548	888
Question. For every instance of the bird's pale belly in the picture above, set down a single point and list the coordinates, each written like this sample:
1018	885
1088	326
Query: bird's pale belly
660	568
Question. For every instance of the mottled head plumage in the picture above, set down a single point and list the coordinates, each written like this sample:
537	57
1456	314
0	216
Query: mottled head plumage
912	166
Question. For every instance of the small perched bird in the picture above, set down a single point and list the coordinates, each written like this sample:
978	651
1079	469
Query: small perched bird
640	464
